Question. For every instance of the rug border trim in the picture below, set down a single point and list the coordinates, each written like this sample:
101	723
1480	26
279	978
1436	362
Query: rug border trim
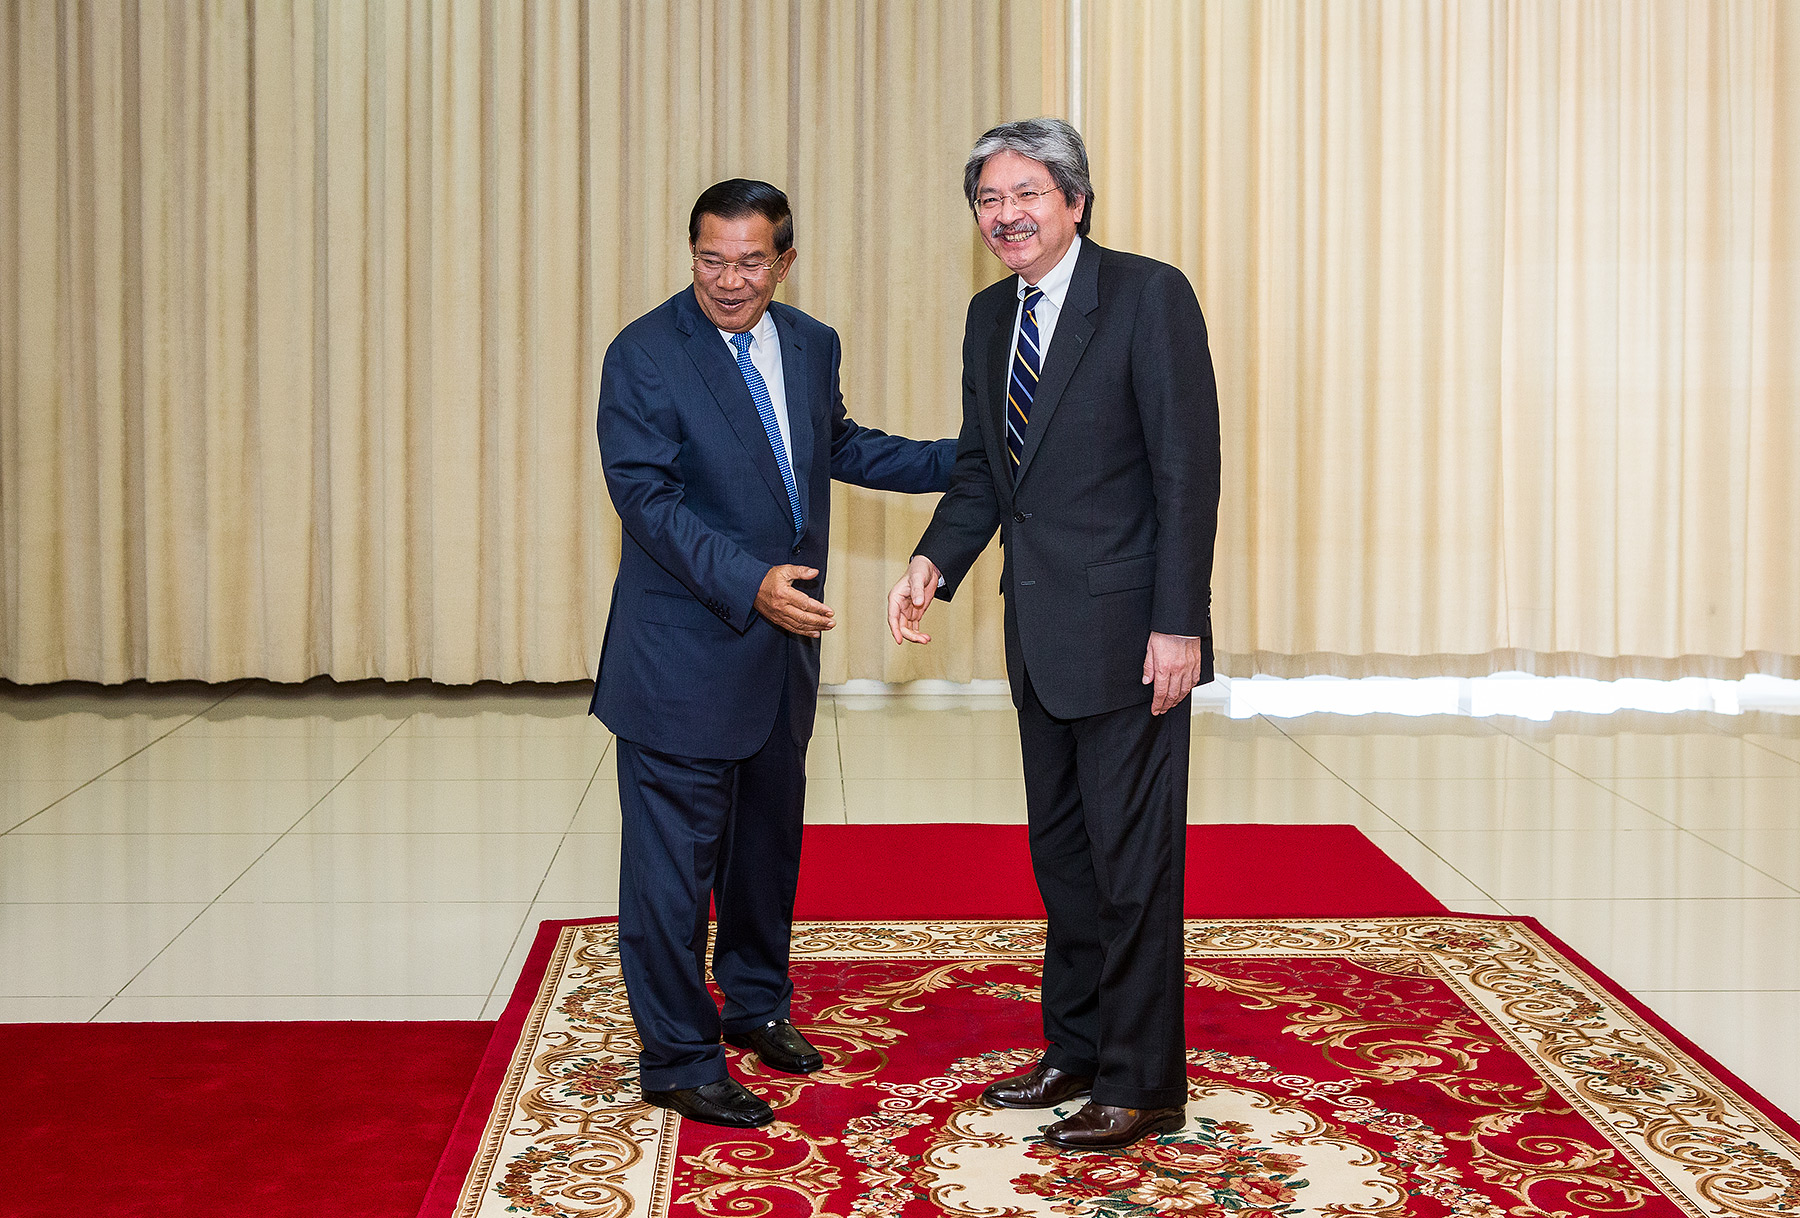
485	1089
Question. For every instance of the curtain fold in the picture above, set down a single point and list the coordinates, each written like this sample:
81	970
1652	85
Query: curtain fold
1503	297
303	305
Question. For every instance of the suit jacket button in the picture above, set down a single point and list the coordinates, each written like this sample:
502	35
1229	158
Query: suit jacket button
1018	517
795	550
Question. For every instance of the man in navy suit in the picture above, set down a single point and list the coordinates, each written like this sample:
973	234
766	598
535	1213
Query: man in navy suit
721	427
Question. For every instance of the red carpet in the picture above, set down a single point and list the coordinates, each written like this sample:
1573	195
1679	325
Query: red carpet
321	1120
982	871
309	1120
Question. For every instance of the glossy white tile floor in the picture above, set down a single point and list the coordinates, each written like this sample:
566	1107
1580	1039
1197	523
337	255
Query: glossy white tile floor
379	851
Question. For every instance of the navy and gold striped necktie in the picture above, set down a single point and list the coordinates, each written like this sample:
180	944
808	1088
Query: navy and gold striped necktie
1023	382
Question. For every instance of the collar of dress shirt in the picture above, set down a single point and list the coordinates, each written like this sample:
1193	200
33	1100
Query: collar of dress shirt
762	335
1055	284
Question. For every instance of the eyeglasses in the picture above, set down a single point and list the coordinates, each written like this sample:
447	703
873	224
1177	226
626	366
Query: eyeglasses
750	268
1024	200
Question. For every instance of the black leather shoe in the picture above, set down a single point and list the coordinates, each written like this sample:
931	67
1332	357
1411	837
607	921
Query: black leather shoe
780	1045
726	1102
1040	1087
1103	1127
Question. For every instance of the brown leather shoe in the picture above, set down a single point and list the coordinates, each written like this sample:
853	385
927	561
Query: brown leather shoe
1040	1087
1103	1127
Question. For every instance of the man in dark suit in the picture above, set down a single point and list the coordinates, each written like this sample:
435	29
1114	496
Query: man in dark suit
1090	440
721	426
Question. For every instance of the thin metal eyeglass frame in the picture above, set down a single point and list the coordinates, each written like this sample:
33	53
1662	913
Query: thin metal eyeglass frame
700	267
987	205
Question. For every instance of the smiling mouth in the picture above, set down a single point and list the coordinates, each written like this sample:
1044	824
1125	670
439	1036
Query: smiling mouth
1017	235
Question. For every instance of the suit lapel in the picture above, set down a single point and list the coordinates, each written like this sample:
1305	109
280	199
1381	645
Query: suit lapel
798	387
1074	327
720	373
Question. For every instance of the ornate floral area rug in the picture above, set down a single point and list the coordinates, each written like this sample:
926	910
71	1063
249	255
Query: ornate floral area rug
1422	1065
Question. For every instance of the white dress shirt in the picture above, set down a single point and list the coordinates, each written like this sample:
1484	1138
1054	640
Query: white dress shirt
765	354
1055	287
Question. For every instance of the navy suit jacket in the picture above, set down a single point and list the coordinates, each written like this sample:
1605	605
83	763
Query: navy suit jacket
688	666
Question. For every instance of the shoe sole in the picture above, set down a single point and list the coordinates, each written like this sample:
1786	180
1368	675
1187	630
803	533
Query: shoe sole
744	1124
1166	1125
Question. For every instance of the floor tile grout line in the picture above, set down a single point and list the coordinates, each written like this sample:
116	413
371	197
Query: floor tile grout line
525	918
1561	765
837	744
1574	773
241	686
1775	752
1677	825
1634	803
377	1016
1406	829
264	853
1741	861
1717	730
1685	829
1350	786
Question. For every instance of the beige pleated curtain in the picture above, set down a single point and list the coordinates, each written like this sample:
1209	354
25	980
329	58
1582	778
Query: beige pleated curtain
1505	301
304	304
302	307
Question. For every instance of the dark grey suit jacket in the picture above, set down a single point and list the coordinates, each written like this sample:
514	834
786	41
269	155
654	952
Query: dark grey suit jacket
1109	524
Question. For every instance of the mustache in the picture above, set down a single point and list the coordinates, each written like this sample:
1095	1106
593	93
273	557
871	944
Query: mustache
1016	228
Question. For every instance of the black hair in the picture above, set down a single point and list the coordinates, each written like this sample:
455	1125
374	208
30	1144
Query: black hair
736	198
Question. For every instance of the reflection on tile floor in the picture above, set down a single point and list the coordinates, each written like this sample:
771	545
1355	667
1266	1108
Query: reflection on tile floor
386	851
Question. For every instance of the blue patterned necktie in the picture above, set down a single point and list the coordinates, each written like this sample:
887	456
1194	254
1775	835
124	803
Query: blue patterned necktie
1023	382
766	408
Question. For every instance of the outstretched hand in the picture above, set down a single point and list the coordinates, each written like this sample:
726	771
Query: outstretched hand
909	600
788	607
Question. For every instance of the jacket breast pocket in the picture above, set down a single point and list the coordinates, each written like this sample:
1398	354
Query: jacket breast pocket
1121	574
670	609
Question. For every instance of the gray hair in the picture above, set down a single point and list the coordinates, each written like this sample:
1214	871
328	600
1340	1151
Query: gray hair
1050	141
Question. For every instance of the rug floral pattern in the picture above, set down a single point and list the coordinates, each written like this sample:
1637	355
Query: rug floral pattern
1385	1066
